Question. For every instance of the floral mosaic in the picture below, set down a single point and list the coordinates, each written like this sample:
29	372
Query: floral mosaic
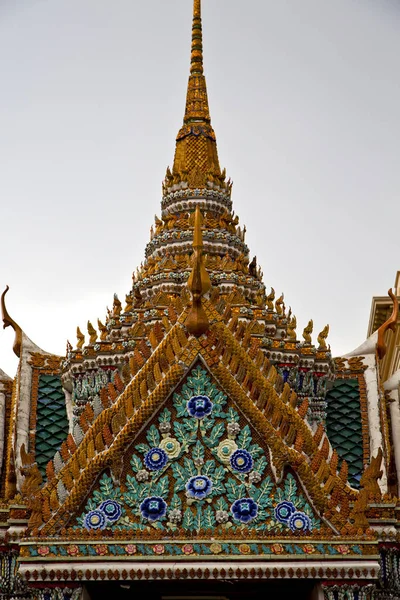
224	548
199	468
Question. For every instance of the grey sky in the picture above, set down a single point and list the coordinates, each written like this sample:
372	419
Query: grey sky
304	99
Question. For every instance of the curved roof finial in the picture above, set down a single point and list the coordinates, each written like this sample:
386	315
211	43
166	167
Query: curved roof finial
389	324
198	283
9	322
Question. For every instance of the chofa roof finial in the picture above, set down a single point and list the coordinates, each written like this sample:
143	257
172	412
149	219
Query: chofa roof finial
198	283
9	322
389	324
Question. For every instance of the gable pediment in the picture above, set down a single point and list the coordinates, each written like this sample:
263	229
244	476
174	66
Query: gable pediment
199	467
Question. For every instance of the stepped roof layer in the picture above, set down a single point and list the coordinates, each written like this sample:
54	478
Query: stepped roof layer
194	420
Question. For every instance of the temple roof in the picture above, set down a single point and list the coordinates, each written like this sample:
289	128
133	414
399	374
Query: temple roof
197	410
248	377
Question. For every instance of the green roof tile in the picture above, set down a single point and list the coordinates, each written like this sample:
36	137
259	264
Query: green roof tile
51	419
343	425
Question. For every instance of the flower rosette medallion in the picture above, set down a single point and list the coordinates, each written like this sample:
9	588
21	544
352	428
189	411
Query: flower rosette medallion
300	522
156	459
111	509
241	461
171	447
244	510
198	487
284	511
225	450
153	508
95	519
199	406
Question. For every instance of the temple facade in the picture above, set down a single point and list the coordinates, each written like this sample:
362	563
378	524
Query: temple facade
193	441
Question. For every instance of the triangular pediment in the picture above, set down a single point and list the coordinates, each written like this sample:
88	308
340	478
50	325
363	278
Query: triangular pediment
289	462
199	467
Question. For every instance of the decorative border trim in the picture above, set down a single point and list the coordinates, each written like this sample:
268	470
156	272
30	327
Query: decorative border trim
207	570
196	550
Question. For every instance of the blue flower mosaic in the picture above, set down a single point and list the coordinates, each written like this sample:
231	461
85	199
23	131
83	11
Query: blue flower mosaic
199	487
284	511
156	459
244	510
241	461
153	508
111	509
95	519
300	522
199	406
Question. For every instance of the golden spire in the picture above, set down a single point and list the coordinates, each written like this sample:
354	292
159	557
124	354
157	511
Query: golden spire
197	99
198	283
196	63
196	158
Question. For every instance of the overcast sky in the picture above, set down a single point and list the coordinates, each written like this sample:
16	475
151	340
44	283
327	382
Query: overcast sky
304	99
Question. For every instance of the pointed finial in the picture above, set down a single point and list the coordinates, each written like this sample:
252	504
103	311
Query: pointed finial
322	338
196	62
279	305
80	338
9	322
291	329
196	157
92	333
198	252
198	283
103	330
307	331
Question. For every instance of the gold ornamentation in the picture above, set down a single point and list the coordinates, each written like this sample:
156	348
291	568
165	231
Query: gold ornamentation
307	331
322	338
117	306
196	158
389	324
103	330
9	322
279	304
81	339
270	300
369	479
129	303
92	333
199	283
291	330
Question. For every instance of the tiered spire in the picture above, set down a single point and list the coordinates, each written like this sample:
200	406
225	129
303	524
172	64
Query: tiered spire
196	158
